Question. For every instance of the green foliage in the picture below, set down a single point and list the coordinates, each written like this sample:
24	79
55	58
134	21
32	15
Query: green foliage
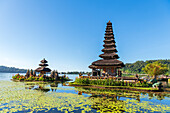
110	82
155	68
21	78
18	77
134	67
30	78
138	65
50	79
15	76
36	79
41	79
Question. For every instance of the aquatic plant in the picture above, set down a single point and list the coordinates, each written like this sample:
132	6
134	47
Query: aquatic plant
15	98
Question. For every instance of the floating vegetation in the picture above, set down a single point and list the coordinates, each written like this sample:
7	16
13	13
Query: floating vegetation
112	104
14	97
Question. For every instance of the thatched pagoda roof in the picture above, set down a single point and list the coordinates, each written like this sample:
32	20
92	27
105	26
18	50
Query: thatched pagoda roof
109	62
40	69
109	40
44	61
43	64
109	44
110	36
109	57
108	33
109	49
92	66
43	67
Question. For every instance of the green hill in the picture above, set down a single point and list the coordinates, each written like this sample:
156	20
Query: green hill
4	69
138	65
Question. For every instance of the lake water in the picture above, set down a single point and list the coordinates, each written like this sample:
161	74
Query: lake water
25	97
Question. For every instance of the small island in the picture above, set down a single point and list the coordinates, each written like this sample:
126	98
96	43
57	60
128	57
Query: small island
42	76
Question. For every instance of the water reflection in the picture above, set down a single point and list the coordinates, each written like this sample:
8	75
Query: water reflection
46	87
122	93
122	100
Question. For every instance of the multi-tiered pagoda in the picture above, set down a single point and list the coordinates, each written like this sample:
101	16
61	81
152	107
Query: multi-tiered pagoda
109	64
43	67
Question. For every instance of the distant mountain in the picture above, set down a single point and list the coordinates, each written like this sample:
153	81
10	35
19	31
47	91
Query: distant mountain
4	69
138	65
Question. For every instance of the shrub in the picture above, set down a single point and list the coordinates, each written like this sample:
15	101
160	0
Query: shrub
17	76
41	79
87	81
21	78
111	82
13	77
30	78
36	79
49	79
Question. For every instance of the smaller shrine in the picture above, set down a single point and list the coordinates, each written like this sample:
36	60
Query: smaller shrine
43	67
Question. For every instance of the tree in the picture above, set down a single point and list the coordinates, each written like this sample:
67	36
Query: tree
34	73
155	68
31	72
52	74
56	75
28	74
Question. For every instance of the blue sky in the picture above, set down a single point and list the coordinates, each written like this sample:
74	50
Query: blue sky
70	33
